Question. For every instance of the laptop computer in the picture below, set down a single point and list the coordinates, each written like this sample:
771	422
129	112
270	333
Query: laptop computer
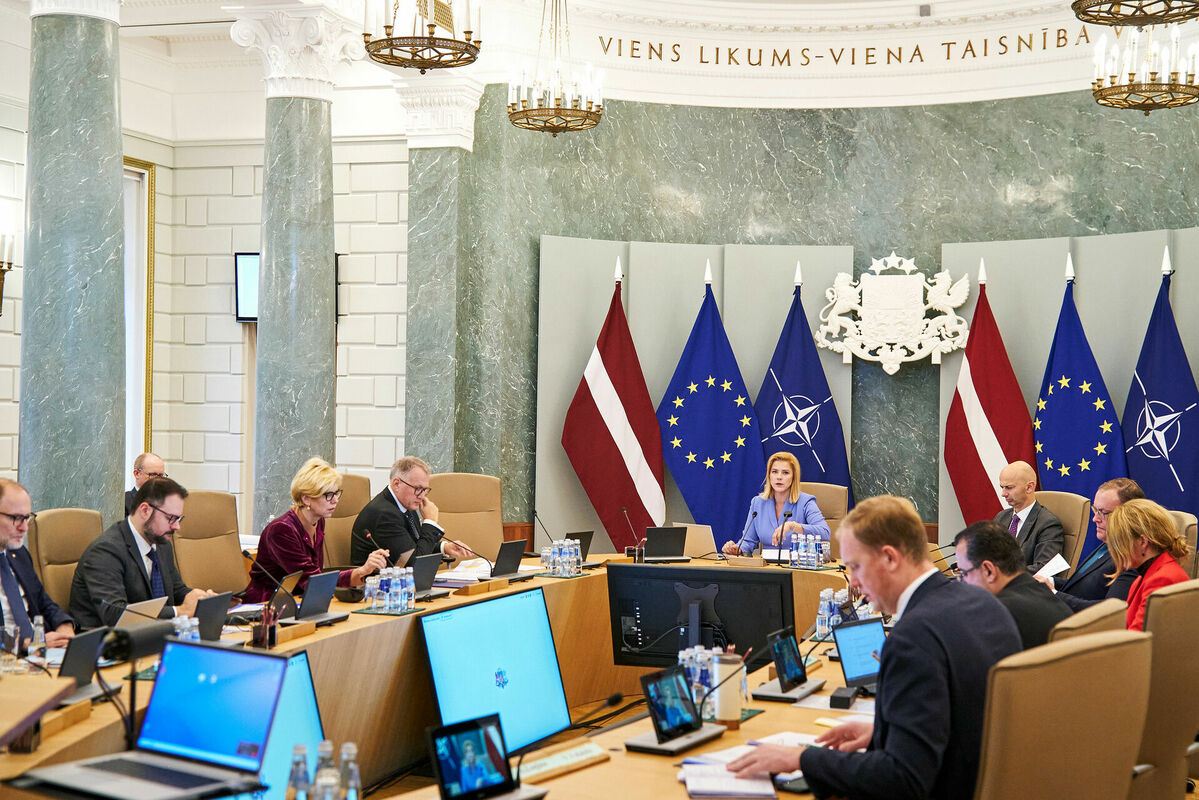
470	762
282	601
142	613
507	562
699	542
677	724
792	683
210	613
79	662
665	545
220	748
584	539
424	570
314	607
860	646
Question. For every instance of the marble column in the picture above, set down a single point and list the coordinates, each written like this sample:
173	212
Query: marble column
72	411
294	384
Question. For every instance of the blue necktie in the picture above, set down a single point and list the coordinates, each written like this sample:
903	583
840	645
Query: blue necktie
12	591
156	589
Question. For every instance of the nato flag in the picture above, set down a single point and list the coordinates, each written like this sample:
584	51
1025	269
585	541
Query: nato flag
795	407
1161	419
1077	433
710	439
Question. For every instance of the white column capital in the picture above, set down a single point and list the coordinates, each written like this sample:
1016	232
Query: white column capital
439	110
100	9
300	46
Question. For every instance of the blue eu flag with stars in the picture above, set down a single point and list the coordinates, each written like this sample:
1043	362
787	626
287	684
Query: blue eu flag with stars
1077	433
710	438
1161	417
795	407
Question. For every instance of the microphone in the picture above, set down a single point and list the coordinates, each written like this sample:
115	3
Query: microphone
365	536
612	700
542	524
629	522
778	556
441	535
264	571
745	532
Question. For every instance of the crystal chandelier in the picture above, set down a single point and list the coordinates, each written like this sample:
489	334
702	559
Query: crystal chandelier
422	48
1146	75
547	100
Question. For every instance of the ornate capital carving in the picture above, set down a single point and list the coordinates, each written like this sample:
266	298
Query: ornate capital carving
440	111
300	48
101	9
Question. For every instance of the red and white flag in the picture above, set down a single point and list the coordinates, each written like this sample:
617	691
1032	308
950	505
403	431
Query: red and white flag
988	425
612	437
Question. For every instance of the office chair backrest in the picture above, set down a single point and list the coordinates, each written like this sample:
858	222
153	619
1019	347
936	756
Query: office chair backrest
833	502
1074	511
471	509
56	540
207	544
355	494
1107	615
1187	525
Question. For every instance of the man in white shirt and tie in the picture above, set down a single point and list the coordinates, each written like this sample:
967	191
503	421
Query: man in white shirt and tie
1038	532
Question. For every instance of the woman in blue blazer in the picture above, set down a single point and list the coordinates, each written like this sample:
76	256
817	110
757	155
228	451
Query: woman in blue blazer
780	509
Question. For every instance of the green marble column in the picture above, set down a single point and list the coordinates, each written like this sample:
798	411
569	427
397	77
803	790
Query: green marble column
72	411
294	382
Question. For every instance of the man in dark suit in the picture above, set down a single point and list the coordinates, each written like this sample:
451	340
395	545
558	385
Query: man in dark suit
1089	583
22	596
932	682
989	558
402	519
1038	532
145	467
133	561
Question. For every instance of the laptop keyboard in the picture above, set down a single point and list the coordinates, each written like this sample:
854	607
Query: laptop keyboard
150	772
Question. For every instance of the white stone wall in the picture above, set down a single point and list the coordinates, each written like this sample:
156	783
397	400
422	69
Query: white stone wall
12	214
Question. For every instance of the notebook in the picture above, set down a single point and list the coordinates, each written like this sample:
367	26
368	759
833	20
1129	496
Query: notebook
860	646
196	737
677	724
470	762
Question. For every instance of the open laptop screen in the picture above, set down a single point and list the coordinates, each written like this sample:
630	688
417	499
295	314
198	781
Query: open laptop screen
860	645
213	704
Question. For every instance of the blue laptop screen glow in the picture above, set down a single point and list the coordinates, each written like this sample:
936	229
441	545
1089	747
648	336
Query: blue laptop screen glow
860	647
213	704
498	656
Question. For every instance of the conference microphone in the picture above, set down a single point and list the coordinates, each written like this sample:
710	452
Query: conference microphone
542	524
629	522
612	700
264	571
441	535
745	532
365	536
778	556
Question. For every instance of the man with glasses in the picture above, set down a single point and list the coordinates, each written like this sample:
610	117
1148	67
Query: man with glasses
402	519
145	467
1091	583
23	597
989	558
133	561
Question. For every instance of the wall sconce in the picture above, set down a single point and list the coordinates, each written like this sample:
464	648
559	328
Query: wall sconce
8	242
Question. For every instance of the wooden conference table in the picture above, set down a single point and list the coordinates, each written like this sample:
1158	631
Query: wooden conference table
372	679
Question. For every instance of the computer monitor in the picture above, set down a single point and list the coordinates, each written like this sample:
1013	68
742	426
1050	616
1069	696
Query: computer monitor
658	610
498	657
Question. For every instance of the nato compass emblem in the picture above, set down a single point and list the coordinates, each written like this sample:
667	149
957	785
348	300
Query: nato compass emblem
796	420
501	678
1158	429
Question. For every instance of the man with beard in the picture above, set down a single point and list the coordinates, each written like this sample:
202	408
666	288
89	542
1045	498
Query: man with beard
133	561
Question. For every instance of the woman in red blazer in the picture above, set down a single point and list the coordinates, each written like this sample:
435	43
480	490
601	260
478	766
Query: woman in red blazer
1141	535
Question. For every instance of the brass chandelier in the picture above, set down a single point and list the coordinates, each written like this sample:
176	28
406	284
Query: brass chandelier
1145	75
422	48
547	100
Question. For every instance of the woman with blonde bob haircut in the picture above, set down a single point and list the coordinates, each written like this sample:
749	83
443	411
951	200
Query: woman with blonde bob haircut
1141	535
781	509
295	541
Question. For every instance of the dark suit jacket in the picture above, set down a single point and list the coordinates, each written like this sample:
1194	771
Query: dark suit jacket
392	528
129	495
1088	585
932	687
37	602
1040	536
111	574
1034	608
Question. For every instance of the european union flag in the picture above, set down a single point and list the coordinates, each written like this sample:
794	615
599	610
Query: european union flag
795	407
710	438
1078	440
1161	423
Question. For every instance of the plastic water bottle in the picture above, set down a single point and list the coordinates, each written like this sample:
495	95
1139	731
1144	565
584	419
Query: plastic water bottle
813	551
385	587
193	630
709	709
834	613
576	553
179	623
38	645
298	784
351	779
397	590
822	620
704	663
793	557
826	551
326	782
409	591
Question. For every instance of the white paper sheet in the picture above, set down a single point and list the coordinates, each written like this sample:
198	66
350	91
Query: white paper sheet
1056	566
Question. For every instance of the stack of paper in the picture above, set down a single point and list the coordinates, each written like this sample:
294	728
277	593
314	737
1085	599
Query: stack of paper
714	780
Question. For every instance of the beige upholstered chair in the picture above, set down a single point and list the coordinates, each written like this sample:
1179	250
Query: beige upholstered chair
337	541
470	509
1172	616
355	494
1069	691
1074	511
1107	615
937	556
56	540
833	502
1188	525
207	544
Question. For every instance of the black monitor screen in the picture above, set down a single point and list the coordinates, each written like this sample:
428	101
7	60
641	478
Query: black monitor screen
652	606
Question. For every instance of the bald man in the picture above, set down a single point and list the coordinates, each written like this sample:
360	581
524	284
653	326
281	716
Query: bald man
1038	532
145	467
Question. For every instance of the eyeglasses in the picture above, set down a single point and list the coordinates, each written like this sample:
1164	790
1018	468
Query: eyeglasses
961	574
1101	512
153	474
420	490
171	518
17	519
331	496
